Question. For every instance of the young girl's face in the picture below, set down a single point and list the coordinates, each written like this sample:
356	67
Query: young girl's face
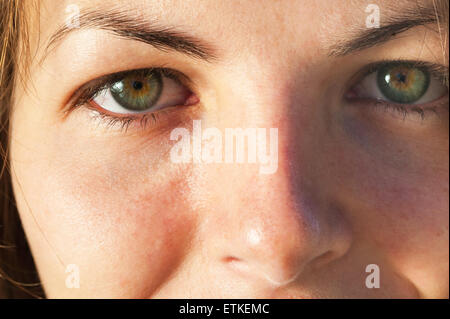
354	198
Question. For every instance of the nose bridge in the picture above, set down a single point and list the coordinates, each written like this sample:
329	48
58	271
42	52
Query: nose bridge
255	91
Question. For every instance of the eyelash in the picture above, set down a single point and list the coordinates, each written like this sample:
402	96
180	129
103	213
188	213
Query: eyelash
125	121
405	111
87	92
440	72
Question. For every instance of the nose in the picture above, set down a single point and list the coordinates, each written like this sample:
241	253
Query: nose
259	227
276	226
269	226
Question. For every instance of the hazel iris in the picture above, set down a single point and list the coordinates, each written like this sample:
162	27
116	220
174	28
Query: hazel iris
403	82
138	91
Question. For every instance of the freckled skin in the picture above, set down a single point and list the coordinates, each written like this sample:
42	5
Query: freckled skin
354	186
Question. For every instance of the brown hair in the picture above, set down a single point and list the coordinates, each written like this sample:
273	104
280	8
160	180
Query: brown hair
18	275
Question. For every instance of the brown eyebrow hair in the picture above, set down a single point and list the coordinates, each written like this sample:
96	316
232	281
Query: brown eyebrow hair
168	39
393	25
135	27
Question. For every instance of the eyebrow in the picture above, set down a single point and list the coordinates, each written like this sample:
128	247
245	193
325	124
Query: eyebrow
395	24
135	27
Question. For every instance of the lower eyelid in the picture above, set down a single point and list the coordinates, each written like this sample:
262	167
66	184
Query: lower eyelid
402	112
124	123
139	122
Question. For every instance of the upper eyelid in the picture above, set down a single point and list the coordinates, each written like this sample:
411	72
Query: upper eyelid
439	71
434	68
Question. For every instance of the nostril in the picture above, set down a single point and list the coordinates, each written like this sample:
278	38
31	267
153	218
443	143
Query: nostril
230	259
236	264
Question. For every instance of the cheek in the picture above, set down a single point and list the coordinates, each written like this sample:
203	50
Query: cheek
115	207
396	189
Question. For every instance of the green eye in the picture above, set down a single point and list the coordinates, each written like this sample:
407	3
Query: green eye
138	91
402	82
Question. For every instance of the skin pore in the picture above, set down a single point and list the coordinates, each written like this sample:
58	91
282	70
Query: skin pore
357	183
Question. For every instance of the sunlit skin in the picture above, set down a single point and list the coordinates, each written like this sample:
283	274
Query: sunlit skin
355	185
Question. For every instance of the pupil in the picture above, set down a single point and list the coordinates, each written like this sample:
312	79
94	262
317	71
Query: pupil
401	77
137	85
